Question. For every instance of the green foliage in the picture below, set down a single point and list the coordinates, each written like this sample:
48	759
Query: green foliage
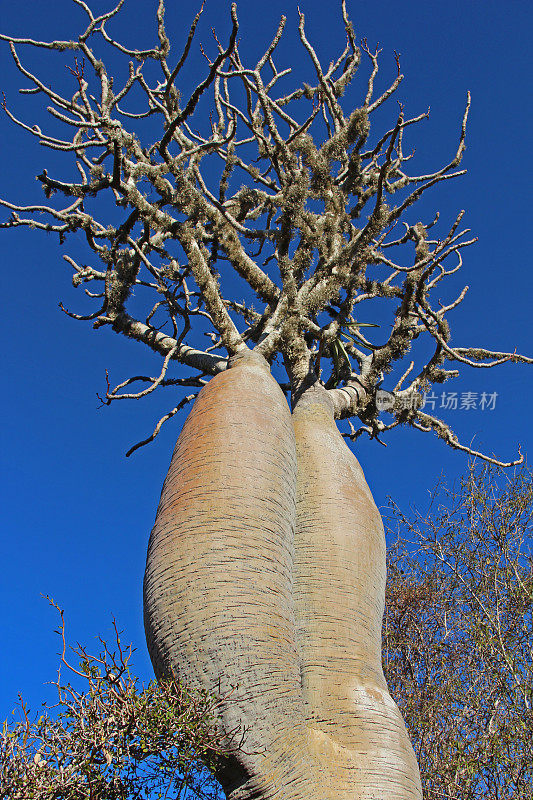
111	738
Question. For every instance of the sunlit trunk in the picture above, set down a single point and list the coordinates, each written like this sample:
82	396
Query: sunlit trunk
357	730
218	583
226	575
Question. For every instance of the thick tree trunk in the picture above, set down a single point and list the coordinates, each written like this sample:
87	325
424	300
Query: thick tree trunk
218	583
307	693
357	731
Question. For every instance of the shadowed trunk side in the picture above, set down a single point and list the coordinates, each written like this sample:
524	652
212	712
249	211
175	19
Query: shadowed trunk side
355	726
218	583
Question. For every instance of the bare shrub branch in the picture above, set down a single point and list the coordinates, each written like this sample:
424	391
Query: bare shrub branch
457	635
108	736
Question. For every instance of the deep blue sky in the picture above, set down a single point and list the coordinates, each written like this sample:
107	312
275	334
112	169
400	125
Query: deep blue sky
77	513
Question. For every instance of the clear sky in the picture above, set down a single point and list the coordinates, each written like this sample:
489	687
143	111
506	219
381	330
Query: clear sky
77	513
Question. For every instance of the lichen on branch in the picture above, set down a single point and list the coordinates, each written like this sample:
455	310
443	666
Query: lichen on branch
287	194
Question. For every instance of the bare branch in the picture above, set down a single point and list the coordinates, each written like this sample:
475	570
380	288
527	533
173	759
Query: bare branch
195	96
309	229
161	422
425	422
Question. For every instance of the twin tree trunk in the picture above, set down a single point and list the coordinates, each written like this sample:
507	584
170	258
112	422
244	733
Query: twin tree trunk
265	583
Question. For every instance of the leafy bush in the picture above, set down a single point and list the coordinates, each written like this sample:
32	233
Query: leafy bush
111	738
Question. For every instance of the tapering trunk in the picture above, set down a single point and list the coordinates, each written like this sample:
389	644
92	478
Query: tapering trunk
218	583
220	595
356	729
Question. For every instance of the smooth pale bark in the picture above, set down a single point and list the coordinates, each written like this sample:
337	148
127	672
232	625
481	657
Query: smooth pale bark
220	593
218	583
356	729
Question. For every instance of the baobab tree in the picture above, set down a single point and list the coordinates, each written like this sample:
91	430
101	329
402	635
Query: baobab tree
269	221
